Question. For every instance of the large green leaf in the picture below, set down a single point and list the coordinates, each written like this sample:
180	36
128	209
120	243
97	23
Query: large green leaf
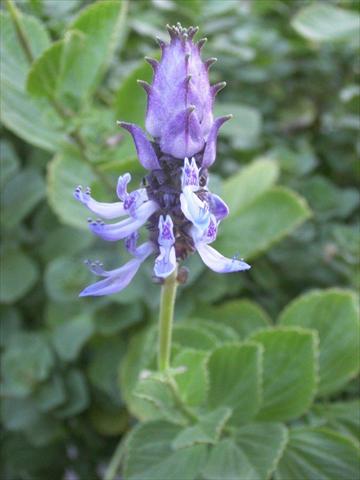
243	316
289	372
18	274
319	453
322	22
269	218
33	121
253	180
74	64
334	314
64	174
149	454
253	453
235	379
71	335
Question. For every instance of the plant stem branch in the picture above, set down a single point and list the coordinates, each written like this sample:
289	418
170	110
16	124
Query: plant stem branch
115	461
167	303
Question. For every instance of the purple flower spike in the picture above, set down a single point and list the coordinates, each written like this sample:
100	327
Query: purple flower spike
182	216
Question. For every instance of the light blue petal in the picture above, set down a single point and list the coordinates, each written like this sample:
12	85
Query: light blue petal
194	209
218	207
104	210
217	262
165	263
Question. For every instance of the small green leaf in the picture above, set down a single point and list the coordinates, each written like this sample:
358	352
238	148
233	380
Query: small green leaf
20	195
207	430
71	335
340	416
193	381
64	174
235	379
149	454
193	336
244	129
334	314
290	371
252	181
269	218
253	453
323	22
50	394
18	273
318	453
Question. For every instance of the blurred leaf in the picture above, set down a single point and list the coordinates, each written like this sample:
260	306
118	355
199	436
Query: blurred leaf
27	361
289	372
64	174
207	430
65	278
318	453
50	394
109	423
252	453
77	395
235	380
320	22
193	382
146	459
64	241
71	335
9	162
327	200
30	120
74	64
20	195
270	217
18	272
18	413
253	180
10	324
244	129
334	314
44	431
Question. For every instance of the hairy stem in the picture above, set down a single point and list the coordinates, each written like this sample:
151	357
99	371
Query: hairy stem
167	303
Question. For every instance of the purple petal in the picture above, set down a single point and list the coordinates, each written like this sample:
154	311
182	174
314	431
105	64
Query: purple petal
166	234
182	137
145	150
120	230
190	174
218	207
194	209
165	263
104	210
209	155
217	262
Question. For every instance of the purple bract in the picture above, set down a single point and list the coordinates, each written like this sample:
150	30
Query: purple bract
182	216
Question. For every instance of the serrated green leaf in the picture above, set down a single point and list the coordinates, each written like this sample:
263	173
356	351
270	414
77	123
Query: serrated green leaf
193	381
253	453
289	371
322	22
318	453
207	430
147	459
193	336
235	379
243	316
64	174
252	181
29	185
269	218
18	274
334	314
71	335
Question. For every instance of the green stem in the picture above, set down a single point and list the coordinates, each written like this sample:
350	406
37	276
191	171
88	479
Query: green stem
167	303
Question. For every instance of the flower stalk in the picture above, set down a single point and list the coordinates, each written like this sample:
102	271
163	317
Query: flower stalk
166	316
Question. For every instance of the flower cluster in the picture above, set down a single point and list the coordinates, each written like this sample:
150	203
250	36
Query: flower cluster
182	216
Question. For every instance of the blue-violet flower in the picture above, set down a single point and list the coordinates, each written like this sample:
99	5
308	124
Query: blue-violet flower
182	216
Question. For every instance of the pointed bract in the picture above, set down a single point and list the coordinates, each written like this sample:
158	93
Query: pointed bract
145	150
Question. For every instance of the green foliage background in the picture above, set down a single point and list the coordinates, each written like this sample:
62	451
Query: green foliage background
287	167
